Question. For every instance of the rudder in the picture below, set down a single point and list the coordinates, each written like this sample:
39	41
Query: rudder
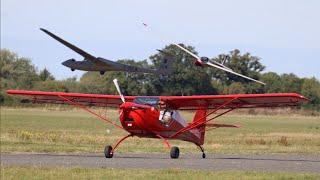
200	117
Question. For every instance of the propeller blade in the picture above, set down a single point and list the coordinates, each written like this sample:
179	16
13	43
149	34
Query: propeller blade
115	81
232	72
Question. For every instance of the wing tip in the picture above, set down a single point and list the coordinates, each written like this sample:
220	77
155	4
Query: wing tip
42	29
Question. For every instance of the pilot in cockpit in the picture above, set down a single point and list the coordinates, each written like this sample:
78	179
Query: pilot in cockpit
165	114
161	105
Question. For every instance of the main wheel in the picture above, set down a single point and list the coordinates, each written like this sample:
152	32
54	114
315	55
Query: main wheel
203	155
108	152
174	153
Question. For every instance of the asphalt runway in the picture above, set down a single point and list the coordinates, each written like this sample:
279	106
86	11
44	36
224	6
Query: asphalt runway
217	162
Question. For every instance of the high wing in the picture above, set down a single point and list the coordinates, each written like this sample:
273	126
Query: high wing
173	102
93	63
233	101
86	55
70	98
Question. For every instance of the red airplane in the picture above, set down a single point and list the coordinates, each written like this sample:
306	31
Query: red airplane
158	116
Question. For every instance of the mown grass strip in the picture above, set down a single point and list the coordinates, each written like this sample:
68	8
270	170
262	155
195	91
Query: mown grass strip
14	172
38	130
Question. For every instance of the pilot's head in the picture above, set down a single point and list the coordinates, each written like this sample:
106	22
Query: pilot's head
162	104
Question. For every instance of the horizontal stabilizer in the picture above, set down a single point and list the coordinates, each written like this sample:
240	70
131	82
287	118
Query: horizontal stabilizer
223	125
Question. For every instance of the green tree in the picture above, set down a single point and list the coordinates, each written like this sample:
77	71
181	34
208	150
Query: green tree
236	88
186	78
16	73
290	83
245	64
45	75
91	82
311	90
57	86
273	82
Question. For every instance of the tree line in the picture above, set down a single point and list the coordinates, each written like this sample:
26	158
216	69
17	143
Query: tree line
187	79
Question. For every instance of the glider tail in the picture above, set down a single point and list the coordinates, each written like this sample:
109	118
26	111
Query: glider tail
166	64
200	117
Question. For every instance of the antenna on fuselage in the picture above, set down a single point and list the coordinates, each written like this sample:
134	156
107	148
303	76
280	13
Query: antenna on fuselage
115	81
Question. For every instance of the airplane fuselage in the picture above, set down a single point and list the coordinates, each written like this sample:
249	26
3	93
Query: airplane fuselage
147	121
103	66
83	65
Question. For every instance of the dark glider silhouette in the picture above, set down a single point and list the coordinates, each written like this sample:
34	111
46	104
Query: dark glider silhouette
92	63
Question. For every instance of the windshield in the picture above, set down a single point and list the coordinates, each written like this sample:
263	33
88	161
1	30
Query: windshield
152	101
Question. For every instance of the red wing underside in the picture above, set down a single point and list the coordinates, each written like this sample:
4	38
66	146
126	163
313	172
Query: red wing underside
65	98
234	101
174	102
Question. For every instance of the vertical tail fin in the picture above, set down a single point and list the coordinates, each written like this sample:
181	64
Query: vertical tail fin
200	117
166	63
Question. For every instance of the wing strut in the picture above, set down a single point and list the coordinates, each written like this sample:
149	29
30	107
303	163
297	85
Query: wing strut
200	123
90	111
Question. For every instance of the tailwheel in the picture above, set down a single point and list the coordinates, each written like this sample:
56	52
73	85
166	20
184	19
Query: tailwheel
174	153
202	150
108	151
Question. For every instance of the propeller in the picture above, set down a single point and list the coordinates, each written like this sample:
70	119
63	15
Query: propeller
115	81
208	63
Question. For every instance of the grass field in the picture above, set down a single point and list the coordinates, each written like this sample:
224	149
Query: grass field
102	173
43	130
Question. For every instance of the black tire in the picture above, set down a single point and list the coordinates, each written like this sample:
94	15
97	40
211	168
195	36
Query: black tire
203	155
174	153
108	152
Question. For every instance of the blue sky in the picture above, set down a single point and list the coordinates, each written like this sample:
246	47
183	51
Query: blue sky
285	34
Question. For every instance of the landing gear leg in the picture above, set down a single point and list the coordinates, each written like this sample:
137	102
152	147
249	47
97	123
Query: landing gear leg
174	152
202	150
109	150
